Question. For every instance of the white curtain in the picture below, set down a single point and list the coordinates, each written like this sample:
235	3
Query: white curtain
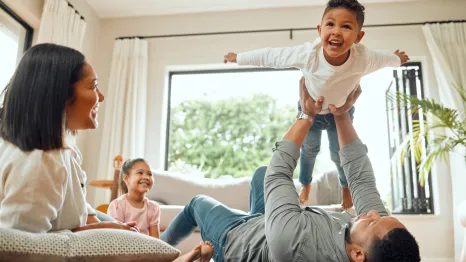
447	46
61	24
124	126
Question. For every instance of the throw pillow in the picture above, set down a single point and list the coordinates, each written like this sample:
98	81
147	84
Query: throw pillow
86	246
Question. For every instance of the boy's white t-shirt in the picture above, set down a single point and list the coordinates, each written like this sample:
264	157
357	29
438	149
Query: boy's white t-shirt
334	83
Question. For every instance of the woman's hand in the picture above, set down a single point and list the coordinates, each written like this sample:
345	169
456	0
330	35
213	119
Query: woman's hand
308	105
350	100
92	219
131	226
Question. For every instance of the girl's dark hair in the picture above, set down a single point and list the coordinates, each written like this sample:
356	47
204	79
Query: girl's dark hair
34	101
127	165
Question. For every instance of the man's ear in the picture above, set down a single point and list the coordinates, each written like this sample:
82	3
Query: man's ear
360	36
357	253
319	28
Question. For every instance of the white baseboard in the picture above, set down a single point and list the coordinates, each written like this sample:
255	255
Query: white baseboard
437	259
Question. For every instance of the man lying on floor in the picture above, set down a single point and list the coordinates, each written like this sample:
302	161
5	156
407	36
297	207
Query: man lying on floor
280	230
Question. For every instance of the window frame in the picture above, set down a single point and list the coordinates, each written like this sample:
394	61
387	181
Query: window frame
409	204
26	26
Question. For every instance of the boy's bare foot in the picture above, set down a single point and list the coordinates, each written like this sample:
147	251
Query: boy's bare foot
347	200
191	256
304	194
207	251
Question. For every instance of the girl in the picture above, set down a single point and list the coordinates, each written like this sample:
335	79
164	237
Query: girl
136	181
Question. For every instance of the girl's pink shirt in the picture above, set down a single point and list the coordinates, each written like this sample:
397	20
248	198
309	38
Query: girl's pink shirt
146	217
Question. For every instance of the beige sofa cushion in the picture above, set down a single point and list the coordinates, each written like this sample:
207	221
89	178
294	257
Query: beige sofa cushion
86	246
178	189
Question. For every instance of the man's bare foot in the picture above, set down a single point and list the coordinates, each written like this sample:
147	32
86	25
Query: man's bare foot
207	251
347	200
191	256
304	194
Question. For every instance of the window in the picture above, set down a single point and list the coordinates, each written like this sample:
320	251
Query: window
408	195
223	123
15	39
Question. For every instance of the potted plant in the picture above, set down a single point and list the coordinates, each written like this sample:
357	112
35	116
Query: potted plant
444	132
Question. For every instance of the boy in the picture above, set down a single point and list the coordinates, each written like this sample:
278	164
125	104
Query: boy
332	67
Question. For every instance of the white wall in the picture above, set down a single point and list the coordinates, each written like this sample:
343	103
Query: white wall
434	233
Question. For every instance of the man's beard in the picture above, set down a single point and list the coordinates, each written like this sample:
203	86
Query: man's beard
348	227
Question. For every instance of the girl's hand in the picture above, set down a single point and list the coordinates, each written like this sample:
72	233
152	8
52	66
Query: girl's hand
230	57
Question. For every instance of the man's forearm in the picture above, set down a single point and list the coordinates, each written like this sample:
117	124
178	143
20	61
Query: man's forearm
284	221
298	131
358	168
345	129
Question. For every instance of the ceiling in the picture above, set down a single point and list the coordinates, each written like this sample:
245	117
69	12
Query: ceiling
125	8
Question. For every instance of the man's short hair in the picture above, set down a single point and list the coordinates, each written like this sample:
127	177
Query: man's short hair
351	5
398	245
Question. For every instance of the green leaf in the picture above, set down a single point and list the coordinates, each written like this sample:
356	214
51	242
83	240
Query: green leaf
438	118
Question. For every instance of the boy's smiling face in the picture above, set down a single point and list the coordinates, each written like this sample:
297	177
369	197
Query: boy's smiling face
339	31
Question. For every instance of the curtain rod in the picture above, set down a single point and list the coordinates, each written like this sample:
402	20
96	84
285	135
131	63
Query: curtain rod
280	30
76	11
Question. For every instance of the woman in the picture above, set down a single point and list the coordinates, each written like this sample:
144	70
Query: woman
53	93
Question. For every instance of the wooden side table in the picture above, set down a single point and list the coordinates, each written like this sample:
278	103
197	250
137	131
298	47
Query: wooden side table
102	184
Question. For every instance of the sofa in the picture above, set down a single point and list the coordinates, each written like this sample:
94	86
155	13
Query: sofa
462	221
174	190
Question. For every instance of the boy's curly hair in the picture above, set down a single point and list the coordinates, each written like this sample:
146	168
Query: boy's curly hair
351	5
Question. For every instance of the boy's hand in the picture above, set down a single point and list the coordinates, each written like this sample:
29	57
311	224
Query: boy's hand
402	55
230	57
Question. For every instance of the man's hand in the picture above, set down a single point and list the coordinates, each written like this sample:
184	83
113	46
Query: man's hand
350	100
230	57
404	58
308	105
